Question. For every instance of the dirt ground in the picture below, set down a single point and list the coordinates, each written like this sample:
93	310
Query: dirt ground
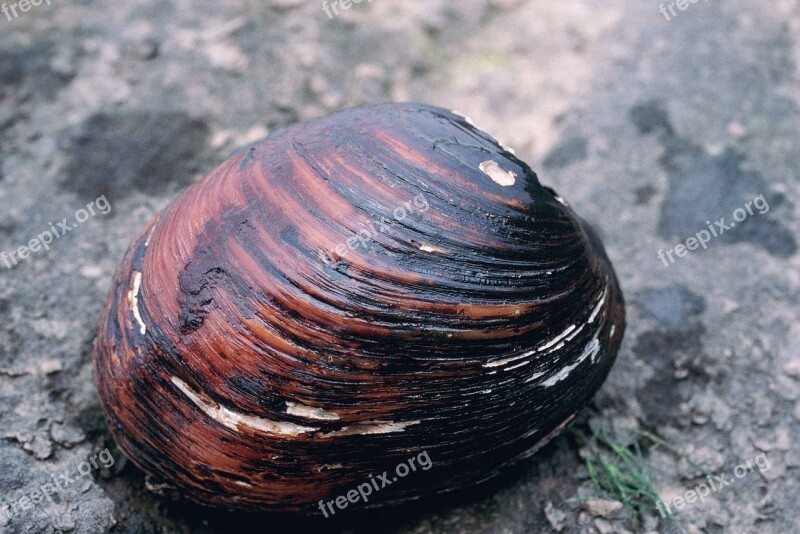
648	123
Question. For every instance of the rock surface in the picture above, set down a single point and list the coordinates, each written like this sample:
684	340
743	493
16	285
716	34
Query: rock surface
649	127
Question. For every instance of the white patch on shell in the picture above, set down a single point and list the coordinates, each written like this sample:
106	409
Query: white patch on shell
371	427
234	420
431	248
310	412
466	119
529	433
556	339
594	348
574	334
498	363
515	366
133	299
534	376
591	349
561	199
329	467
599	306
499	175
570	333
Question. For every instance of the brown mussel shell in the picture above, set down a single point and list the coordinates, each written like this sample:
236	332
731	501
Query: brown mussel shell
347	293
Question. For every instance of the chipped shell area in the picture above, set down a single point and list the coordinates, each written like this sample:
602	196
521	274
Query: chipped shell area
500	176
234	364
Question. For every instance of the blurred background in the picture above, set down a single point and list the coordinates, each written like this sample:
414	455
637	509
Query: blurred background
650	118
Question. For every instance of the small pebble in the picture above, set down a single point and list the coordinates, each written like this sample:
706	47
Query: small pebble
793	368
91	271
602	507
555	517
737	131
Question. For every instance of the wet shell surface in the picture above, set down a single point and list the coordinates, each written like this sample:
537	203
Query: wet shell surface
348	293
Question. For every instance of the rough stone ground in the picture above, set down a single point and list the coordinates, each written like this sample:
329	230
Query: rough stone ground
648	127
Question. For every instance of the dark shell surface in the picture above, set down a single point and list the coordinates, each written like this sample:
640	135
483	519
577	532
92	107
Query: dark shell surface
348	293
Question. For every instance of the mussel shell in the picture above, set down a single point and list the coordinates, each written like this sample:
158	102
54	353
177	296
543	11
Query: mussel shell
283	330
